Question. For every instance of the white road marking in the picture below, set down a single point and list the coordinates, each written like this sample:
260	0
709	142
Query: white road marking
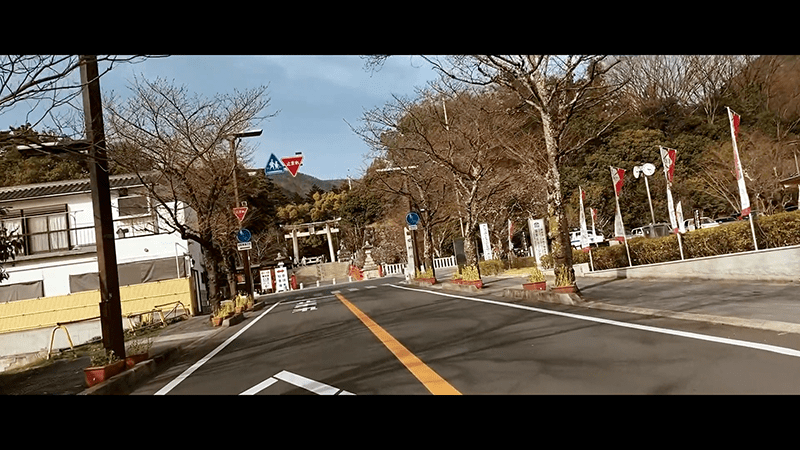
306	383
299	381
171	385
336	292
686	334
371	287
260	386
352	289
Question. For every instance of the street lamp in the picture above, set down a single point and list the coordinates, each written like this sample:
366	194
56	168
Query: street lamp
248	279
647	169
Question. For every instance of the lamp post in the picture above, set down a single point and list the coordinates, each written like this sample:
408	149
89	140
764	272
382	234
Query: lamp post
248	279
646	169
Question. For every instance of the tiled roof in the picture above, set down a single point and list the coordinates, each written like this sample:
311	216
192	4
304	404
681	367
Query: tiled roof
39	190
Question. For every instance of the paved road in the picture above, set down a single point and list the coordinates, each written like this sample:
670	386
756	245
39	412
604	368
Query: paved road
379	338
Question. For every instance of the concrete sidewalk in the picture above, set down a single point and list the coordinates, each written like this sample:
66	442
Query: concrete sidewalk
762	305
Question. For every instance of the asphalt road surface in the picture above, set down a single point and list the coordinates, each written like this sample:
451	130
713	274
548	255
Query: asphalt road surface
385	338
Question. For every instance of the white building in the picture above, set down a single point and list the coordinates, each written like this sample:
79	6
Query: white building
59	255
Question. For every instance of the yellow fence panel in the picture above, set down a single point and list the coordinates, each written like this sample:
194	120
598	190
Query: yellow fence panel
48	311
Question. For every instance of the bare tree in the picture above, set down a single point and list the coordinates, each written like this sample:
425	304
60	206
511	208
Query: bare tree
559	89
461	153
180	143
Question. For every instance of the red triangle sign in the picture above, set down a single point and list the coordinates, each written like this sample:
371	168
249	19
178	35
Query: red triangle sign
292	163
240	212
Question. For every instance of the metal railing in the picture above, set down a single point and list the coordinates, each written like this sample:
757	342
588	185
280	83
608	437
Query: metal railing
75	238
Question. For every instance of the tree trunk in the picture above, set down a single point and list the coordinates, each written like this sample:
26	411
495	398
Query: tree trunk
562	250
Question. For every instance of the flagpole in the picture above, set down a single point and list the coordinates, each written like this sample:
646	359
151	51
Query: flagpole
614	182
624	238
743	197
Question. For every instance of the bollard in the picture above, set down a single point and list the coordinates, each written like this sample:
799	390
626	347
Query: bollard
349	279
317	283
334	281
301	285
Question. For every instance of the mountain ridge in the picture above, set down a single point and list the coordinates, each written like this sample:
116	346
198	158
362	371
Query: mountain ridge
301	184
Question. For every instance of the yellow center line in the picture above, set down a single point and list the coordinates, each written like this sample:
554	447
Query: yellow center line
430	379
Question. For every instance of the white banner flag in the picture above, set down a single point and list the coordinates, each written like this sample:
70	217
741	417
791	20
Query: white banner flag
679	213
584	231
743	197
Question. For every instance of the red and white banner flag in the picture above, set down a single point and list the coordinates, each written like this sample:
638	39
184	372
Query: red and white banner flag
617	176
668	156
743	197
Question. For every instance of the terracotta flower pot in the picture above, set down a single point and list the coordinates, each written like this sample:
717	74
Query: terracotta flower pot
95	375
535	286
132	360
565	289
477	283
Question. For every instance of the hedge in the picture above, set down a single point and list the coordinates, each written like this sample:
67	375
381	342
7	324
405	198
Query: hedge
778	230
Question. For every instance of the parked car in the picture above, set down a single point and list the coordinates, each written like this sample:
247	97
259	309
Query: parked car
725	220
705	222
575	238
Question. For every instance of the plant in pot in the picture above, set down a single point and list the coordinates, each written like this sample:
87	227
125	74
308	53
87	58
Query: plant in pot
104	365
425	277
225	310
137	350
563	283
536	280
468	276
242	302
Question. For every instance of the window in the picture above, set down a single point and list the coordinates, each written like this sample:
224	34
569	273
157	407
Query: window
43	229
133	206
135	216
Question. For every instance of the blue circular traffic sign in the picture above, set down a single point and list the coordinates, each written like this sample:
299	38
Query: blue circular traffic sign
243	235
412	218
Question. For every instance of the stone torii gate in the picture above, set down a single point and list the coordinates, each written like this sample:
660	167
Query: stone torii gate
327	228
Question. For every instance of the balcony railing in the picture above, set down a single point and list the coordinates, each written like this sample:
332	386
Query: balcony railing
75	238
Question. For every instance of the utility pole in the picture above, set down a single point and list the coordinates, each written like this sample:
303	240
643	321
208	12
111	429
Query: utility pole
245	254
110	306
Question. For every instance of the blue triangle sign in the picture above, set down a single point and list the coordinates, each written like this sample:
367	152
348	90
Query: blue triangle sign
274	166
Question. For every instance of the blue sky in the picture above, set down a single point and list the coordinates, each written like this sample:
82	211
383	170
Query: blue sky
316	96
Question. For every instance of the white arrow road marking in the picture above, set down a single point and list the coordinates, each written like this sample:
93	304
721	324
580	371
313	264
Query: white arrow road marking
171	385
299	381
371	287
308	305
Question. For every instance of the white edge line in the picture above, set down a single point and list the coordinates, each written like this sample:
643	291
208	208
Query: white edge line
171	385
686	334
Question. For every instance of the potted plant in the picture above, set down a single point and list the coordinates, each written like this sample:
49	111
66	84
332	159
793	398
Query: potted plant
468	276
225	310
425	277
105	364
242	303
563	283
536	280
136	351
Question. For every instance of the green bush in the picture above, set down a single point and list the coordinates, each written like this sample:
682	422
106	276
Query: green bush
491	267
523	261
778	230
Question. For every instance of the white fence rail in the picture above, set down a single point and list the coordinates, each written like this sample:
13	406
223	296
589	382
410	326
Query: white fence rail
438	263
441	263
